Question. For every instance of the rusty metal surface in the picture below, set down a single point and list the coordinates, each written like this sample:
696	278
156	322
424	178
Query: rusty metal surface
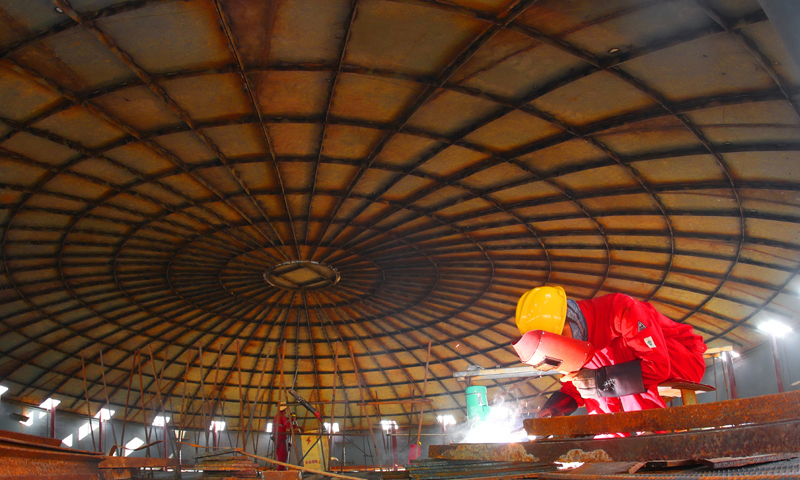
19	461
773	470
607	468
158	156
435	469
678	476
747	440
766	408
287	475
137	462
720	463
25	439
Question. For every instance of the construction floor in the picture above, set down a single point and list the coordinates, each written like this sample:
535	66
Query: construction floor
721	468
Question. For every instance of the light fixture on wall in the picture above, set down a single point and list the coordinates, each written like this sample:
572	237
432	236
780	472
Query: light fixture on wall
775	330
730	354
774	327
387	425
132	445
446	420
335	428
104	414
49	404
159	421
217	426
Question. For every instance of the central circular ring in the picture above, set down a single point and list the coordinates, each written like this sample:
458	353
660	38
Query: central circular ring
301	275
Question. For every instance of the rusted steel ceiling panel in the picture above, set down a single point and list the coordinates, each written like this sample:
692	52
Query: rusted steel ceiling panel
175	35
444	157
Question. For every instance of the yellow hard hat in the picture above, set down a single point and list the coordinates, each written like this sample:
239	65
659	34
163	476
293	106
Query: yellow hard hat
543	308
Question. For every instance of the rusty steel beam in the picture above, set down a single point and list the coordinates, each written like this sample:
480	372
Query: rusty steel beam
24	457
730	462
746	440
767	408
137	462
284	475
28	440
650	476
327	120
226	27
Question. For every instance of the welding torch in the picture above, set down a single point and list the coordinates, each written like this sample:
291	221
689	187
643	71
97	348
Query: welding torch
308	406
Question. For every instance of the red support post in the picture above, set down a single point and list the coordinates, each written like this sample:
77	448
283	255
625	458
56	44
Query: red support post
394	447
773	342
727	358
52	419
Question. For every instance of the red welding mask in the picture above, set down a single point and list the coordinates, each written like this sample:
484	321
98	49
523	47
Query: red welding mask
547	351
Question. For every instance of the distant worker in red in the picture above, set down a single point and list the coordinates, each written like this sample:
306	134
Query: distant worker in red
615	350
282	435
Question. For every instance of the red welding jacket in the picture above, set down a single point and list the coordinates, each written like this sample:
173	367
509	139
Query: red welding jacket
623	329
282	427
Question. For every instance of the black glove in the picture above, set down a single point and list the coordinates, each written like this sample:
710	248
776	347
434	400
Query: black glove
557	405
610	381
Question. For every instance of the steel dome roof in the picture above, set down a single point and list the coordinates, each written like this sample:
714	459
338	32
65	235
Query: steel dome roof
339	183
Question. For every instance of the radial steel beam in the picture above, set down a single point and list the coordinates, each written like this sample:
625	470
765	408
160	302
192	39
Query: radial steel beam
776	359
746	440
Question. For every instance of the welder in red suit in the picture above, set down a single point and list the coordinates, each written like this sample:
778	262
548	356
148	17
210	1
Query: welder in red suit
282	430
635	349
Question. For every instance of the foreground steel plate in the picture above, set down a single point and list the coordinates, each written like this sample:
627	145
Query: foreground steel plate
776	437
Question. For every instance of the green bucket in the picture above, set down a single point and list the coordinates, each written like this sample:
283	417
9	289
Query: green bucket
477	403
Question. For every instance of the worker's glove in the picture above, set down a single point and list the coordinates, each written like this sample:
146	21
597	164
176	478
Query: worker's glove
557	405
611	381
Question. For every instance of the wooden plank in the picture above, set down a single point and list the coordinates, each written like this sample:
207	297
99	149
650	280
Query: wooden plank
689	397
715	352
766	408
